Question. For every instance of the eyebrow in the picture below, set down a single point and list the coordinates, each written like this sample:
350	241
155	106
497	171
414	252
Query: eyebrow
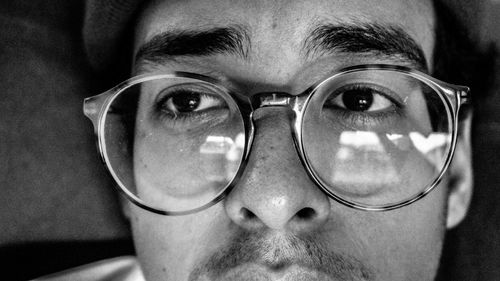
176	43
365	38
352	38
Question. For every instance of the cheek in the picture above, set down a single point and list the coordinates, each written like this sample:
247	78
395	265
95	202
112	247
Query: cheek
405	244
169	247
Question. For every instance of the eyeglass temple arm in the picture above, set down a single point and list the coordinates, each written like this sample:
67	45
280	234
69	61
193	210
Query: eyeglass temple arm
464	102
464	95
92	107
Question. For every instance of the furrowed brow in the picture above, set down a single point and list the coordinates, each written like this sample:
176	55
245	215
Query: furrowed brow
365	38
177	43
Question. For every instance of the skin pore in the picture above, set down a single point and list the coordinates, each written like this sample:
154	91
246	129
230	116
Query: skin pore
276	224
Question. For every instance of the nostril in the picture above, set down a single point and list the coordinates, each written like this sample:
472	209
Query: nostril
247	214
306	213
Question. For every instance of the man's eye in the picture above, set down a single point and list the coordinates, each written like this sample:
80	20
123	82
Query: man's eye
360	99
190	107
186	101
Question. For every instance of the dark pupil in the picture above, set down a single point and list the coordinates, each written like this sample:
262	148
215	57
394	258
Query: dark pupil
186	101
358	100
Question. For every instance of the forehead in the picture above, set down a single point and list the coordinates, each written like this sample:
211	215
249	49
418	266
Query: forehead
277	29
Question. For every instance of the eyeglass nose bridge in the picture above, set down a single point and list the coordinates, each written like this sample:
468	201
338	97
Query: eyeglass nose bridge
271	99
294	103
275	99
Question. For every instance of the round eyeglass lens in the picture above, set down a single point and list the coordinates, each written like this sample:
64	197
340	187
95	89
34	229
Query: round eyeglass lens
376	137
174	143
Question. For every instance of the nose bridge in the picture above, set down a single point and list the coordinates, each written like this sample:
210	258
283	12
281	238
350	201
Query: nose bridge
275	190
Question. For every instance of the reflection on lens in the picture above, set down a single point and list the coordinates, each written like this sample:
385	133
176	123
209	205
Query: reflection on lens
228	154
377	137
175	143
364	152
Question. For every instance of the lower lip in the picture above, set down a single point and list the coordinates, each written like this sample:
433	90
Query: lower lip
252	272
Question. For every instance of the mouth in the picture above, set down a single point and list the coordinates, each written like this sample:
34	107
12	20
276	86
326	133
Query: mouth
256	272
275	257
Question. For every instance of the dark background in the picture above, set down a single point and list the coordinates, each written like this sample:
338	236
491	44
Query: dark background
58	208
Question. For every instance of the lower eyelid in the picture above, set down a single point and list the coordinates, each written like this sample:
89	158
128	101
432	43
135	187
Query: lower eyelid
371	120
194	122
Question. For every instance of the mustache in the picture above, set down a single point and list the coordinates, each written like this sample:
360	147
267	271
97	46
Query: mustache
278	251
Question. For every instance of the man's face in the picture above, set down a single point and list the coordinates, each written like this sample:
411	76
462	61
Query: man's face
276	224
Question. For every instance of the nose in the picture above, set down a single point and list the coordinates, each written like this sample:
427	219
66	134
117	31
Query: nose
275	191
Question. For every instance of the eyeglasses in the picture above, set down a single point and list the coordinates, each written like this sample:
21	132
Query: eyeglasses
372	137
